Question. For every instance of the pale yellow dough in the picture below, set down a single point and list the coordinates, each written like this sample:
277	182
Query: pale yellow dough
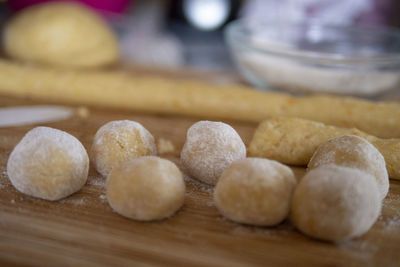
150	93
209	148
354	152
146	188
48	163
119	141
335	203
293	141
255	191
60	34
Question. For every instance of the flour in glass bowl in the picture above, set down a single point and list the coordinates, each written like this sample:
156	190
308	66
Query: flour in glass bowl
300	77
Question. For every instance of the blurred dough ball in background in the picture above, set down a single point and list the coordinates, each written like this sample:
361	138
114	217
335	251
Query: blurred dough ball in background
61	34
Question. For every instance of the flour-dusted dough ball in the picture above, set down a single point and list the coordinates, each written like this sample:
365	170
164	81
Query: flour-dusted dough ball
119	141
61	34
255	191
210	147
354	152
335	203
146	188
48	163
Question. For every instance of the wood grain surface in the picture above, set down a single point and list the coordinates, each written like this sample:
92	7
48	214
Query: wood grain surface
82	230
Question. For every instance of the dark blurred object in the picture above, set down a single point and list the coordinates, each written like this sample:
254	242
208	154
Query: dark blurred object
202	41
112	6
382	12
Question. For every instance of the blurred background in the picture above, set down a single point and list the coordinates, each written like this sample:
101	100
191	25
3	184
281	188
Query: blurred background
189	33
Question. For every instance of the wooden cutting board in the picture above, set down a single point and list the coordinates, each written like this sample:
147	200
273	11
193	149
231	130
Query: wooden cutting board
82	230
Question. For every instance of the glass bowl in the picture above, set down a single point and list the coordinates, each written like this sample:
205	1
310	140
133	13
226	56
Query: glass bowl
311	57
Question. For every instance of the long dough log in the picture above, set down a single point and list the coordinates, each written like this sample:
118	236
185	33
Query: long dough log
293	141
116	89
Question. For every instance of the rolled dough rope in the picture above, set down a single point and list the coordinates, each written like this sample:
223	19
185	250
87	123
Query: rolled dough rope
150	94
293	141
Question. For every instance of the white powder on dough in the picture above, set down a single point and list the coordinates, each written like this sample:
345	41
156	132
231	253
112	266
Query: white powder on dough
122	130
31	168
297	77
210	147
119	141
355	152
335	203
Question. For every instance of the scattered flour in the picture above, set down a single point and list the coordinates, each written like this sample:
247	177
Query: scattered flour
97	181
392	223
119	141
103	198
74	201
198	186
364	247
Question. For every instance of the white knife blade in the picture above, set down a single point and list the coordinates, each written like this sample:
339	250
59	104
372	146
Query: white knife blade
25	115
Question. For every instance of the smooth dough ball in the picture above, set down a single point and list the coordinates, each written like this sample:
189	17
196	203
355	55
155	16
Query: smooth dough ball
255	191
210	147
48	163
146	188
61	34
354	152
335	203
119	141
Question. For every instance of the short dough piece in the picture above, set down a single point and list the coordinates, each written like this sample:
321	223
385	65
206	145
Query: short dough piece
48	163
293	141
119	141
354	152
210	147
146	188
335	203
255	191
61	34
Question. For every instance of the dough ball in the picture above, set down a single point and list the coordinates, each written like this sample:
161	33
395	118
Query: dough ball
119	141
210	147
48	163
255	191
354	152
335	203
61	34
146	188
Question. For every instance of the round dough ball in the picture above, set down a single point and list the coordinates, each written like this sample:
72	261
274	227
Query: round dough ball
210	147
255	191
119	141
48	163
354	152
146	188
335	203
61	34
